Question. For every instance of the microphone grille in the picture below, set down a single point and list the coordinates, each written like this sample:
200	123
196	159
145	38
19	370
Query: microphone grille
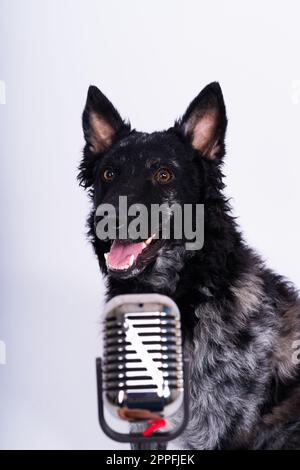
142	354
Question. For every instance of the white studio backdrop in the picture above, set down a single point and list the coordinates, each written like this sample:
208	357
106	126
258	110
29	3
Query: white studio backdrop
151	58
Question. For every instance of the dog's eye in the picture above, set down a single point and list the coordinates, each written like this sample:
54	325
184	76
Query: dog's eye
107	174
163	175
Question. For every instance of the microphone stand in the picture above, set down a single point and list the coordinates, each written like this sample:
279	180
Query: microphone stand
149	446
145	445
156	441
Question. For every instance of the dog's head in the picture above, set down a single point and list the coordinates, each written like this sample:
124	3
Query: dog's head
178	166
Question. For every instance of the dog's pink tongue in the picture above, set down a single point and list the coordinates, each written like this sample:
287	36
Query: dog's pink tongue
120	253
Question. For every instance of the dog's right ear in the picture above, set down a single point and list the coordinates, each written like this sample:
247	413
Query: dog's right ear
102	124
100	121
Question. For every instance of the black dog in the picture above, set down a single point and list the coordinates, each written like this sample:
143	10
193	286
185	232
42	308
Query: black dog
241	321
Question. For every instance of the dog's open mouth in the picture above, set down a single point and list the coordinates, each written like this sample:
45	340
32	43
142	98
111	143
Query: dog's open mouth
126	256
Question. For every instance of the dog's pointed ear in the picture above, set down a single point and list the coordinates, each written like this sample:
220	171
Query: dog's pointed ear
204	122
100	121
102	124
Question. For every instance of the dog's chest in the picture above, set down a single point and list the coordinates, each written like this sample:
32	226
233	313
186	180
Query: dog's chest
224	384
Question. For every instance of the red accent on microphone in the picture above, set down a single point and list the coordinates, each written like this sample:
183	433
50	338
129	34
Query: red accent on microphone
154	424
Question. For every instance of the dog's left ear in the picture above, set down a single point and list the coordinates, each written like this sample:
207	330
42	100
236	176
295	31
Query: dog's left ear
205	122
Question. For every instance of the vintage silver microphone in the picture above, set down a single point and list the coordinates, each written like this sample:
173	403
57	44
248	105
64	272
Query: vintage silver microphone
141	377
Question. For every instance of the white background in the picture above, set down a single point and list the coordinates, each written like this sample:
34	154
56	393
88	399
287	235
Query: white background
151	58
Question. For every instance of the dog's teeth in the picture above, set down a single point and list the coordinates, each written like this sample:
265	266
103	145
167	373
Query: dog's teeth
120	268
105	256
147	242
144	245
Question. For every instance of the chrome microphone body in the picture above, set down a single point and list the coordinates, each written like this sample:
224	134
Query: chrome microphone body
142	369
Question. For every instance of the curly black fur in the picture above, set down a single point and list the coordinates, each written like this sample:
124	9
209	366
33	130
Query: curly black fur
240	320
